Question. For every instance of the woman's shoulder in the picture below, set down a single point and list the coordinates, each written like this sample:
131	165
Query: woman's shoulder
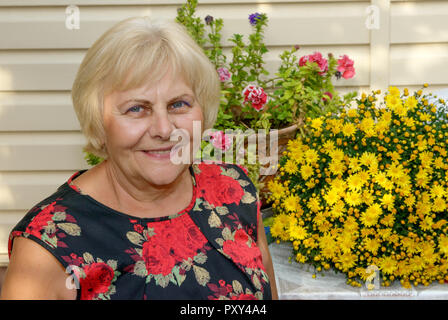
43	221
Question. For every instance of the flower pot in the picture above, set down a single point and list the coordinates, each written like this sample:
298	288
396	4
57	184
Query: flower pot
284	135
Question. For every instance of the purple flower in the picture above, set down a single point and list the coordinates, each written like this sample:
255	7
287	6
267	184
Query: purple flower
208	20
254	17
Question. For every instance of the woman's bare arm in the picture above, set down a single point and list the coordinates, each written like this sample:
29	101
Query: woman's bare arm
34	274
267	261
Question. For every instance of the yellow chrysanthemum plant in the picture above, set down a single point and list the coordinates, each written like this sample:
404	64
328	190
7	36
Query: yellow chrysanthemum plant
369	187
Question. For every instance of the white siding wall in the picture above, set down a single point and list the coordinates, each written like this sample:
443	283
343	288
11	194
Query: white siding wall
40	142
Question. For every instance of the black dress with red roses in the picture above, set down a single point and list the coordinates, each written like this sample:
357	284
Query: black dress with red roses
206	251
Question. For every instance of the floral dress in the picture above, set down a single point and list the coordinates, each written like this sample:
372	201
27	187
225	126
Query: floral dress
206	251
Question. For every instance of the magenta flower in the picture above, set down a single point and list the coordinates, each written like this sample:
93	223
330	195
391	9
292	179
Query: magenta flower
224	74
256	96
317	58
345	67
220	140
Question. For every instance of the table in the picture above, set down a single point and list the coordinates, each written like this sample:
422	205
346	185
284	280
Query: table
295	282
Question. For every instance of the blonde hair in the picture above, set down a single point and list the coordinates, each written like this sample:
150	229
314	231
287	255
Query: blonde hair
130	54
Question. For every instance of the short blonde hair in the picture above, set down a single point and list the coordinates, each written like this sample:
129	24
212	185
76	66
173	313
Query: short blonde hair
130	54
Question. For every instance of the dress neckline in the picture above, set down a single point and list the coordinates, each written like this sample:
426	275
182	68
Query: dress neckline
190	206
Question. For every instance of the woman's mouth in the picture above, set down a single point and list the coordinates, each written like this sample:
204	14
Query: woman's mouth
160	153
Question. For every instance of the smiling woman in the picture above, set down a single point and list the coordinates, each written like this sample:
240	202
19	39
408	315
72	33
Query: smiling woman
138	225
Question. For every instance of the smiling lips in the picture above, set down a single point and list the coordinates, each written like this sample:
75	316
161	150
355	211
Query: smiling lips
160	153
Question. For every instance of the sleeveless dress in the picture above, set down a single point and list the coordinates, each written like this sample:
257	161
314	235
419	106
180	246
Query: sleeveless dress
206	251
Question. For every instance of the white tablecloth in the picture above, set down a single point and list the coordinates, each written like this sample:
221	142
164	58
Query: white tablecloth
294	281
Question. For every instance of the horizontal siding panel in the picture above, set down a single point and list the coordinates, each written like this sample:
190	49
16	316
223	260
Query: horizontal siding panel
290	23
20	191
418	64
39	70
37	111
422	22
41	151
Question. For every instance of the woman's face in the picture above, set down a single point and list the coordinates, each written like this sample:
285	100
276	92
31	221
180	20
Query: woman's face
138	124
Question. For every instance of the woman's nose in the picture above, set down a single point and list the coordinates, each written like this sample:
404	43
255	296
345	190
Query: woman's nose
161	125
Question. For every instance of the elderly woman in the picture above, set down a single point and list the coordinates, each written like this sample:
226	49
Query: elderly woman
138	225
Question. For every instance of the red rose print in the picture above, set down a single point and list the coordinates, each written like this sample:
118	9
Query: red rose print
244	296
157	256
98	279
41	220
241	253
209	170
174	241
138	228
220	190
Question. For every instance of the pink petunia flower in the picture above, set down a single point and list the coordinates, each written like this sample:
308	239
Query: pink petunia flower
224	74
345	67
256	96
220	140
315	57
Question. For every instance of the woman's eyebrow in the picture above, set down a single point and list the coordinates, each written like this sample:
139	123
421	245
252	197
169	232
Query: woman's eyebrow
143	101
182	96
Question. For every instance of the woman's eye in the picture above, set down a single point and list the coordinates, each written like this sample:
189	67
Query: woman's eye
180	104
135	109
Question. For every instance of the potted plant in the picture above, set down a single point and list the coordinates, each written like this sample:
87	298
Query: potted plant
367	188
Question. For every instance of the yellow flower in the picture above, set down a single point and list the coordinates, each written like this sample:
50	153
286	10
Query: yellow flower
371	245
437	191
426	224
395	171
368	159
347	260
314	204
352	113
411	103
277	189
291	203
388	220
388	201
394	91
291	166
353	198
426	158
332	196
368	126
443	244
394	102
297	232
439	205
328	146
311	156
336	167
388	265
409	122
348	129
306	171
370	216
280	223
